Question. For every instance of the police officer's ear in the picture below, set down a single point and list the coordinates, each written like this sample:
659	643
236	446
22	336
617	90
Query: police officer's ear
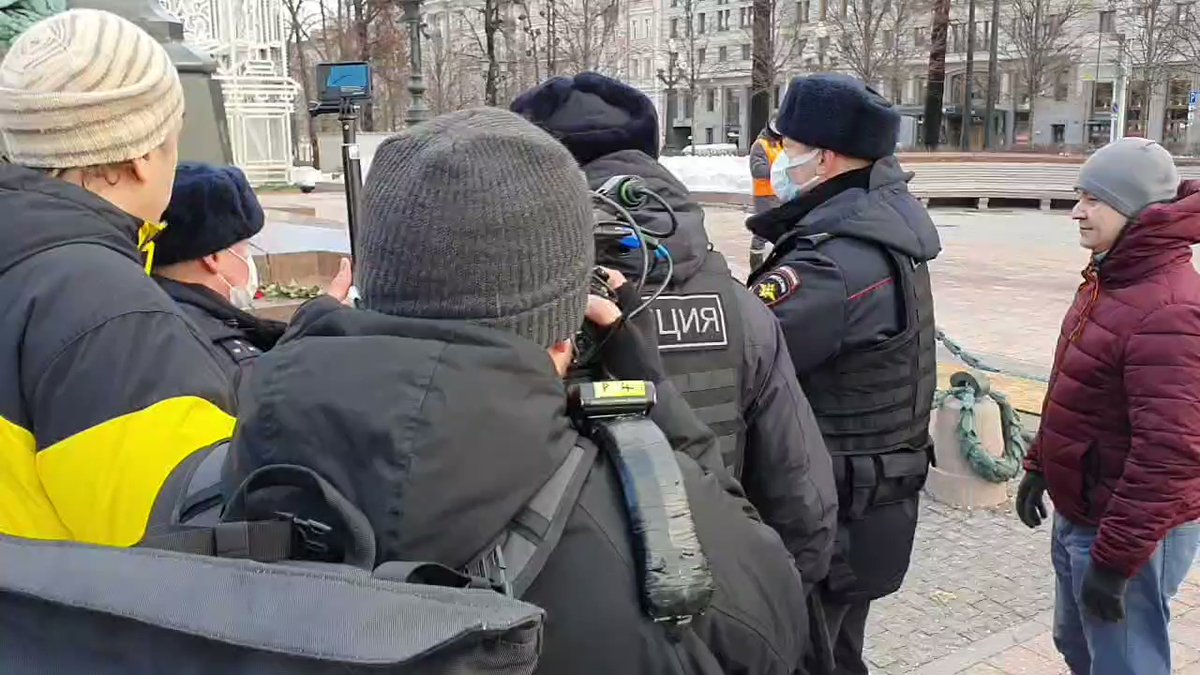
211	263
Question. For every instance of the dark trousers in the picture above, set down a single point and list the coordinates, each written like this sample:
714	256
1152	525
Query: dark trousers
847	624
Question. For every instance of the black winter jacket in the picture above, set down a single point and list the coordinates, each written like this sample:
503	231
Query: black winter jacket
104	386
441	431
788	474
238	337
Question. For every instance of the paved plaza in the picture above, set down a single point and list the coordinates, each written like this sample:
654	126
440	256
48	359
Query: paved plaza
979	595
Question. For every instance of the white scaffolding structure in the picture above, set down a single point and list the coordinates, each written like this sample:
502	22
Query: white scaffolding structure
248	40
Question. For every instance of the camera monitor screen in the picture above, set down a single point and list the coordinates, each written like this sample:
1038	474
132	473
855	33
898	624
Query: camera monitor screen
342	81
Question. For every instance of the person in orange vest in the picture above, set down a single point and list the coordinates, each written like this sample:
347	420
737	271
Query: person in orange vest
762	155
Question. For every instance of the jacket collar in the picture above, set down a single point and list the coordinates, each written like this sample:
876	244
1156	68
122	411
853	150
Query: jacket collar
43	212
774	224
1162	235
262	333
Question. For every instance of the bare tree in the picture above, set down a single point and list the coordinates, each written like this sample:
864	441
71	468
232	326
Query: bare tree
1150	43
541	28
484	26
1044	37
869	37
1186	39
692	53
587	29
452	73
298	41
776	44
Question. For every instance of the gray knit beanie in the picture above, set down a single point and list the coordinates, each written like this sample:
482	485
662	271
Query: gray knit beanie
477	215
1130	175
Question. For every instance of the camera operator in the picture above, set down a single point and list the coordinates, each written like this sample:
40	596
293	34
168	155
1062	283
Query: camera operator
439	408
736	372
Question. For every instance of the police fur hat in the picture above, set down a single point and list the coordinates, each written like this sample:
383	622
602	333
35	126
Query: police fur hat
839	113
592	115
211	209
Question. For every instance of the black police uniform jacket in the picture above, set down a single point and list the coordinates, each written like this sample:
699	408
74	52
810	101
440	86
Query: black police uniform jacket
440	431
726	353
105	388
849	281
237	337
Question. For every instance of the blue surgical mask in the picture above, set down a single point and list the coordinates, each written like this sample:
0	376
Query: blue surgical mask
781	181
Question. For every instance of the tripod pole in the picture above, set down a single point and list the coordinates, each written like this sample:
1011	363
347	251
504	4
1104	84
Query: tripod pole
348	116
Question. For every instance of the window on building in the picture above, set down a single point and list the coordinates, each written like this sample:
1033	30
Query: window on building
1183	11
986	35
842	9
649	69
1059	133
775	97
745	52
956	37
742	17
710	99
1108	21
823	9
802	9
635	69
674	28
733	109
822	49
722	54
708	135
920	36
1062	85
700	27
702	55
889	39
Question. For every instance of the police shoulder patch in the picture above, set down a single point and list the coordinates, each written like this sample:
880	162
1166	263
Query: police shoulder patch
777	285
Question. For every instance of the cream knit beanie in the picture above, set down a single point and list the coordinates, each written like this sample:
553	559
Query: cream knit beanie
86	88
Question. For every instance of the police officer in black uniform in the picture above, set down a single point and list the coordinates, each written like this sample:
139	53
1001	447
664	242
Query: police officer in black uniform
849	281
203	260
723	350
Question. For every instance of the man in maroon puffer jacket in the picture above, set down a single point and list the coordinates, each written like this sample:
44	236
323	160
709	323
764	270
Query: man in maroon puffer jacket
1119	444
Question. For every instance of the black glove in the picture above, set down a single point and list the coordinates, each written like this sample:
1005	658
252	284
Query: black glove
1104	594
628	354
1031	502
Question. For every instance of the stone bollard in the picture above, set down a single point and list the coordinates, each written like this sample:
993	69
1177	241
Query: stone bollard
953	481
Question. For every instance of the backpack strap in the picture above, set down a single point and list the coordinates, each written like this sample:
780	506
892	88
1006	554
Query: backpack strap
264	540
271	537
519	555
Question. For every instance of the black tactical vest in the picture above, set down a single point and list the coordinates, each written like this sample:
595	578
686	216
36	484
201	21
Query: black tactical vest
700	337
873	404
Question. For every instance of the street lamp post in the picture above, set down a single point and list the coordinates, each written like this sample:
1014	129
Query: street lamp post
670	77
418	111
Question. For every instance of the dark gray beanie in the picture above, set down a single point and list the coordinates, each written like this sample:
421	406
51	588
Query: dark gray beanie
1130	175
480	216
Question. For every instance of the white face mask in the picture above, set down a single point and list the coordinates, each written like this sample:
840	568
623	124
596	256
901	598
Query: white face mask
781	181
242	297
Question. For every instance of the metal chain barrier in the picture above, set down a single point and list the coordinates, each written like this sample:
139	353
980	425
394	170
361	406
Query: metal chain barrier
968	389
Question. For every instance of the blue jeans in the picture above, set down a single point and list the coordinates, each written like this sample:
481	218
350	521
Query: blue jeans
1139	645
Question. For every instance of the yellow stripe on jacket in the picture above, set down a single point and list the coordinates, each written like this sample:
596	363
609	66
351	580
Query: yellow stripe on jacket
25	508
102	482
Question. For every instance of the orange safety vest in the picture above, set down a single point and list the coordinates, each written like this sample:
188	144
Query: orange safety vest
762	186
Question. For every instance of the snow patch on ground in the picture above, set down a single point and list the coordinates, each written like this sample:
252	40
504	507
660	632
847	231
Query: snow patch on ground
711	174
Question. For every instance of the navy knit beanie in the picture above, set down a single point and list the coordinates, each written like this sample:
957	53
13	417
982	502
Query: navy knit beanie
592	115
839	113
211	209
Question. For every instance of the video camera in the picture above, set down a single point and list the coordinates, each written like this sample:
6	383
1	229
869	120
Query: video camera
618	235
342	87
